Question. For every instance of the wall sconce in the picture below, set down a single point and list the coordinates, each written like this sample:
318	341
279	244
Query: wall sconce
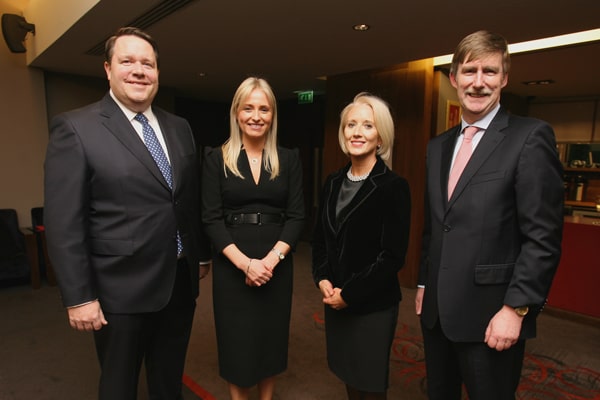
14	30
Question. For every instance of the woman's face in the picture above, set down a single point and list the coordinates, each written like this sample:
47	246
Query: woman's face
255	115
361	133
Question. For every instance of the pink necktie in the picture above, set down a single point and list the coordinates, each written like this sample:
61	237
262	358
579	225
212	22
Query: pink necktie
462	158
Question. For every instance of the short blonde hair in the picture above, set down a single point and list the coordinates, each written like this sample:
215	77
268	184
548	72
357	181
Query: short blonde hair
232	147
382	118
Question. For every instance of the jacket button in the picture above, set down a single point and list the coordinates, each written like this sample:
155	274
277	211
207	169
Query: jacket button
447	228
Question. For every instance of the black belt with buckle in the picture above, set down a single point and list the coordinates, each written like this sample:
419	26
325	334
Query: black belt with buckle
254	219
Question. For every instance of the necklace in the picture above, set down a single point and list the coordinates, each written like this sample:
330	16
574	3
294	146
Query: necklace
254	160
358	178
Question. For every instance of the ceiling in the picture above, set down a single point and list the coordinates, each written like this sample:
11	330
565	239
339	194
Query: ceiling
207	47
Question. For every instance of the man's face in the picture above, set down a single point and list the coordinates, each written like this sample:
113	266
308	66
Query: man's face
478	84
133	72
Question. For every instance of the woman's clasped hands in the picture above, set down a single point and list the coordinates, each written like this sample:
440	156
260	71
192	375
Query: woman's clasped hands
258	272
331	295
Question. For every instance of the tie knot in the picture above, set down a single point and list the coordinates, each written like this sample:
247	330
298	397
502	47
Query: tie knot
141	117
469	132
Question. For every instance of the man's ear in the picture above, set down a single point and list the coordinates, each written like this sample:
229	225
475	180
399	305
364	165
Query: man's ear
453	81
505	80
107	69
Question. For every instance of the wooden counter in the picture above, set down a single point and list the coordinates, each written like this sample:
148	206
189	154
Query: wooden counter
576	284
582	204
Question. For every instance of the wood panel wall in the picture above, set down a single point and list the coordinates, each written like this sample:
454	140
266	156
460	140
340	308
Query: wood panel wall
409	90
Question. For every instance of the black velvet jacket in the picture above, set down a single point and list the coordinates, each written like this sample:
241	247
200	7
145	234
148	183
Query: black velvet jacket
363	250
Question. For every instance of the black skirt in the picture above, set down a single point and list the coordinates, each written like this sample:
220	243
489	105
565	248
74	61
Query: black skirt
252	323
358	347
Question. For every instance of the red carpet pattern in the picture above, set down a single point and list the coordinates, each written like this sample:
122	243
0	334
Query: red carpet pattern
543	377
197	391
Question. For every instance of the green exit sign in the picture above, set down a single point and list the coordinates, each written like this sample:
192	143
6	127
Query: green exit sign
305	97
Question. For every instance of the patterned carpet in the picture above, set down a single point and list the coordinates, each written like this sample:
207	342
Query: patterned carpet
42	358
544	377
193	391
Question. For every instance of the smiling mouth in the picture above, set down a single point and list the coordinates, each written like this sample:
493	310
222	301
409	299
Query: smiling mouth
478	95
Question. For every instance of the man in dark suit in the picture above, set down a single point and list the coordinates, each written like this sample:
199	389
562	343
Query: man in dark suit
491	245
123	229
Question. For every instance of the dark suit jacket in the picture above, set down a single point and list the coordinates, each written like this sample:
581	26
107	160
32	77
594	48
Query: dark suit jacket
363	250
111	219
498	239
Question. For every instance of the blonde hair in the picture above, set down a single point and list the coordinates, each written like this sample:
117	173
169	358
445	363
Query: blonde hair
233	146
383	122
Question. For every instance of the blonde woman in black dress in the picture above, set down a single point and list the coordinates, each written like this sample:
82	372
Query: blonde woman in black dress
359	244
253	211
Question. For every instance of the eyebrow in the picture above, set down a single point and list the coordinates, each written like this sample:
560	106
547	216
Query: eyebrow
485	68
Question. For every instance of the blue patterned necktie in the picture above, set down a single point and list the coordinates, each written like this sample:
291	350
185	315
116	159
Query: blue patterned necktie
160	158
155	149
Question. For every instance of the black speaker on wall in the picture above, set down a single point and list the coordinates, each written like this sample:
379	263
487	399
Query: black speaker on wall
14	30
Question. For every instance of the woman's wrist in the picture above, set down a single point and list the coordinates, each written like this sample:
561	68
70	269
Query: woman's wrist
248	266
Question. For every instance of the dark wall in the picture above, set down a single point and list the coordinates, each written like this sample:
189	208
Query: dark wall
302	126
209	120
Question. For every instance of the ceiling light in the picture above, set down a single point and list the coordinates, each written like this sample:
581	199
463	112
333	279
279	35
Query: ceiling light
361	27
546	43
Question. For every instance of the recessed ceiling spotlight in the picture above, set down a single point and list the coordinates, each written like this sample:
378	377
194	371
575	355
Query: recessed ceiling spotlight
201	74
361	27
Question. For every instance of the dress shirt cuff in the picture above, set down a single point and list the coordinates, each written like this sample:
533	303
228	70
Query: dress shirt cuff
83	304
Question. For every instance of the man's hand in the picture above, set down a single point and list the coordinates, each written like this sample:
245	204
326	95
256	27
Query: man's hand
87	317
503	330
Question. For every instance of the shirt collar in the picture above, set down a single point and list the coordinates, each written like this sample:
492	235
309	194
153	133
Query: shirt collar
131	114
484	122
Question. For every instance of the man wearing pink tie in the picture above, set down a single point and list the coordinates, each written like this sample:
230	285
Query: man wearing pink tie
493	228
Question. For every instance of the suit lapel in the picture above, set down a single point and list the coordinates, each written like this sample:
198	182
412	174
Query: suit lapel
335	185
120	127
168	130
365	191
447	149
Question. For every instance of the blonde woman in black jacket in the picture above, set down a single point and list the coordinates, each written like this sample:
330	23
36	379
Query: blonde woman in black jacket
359	245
